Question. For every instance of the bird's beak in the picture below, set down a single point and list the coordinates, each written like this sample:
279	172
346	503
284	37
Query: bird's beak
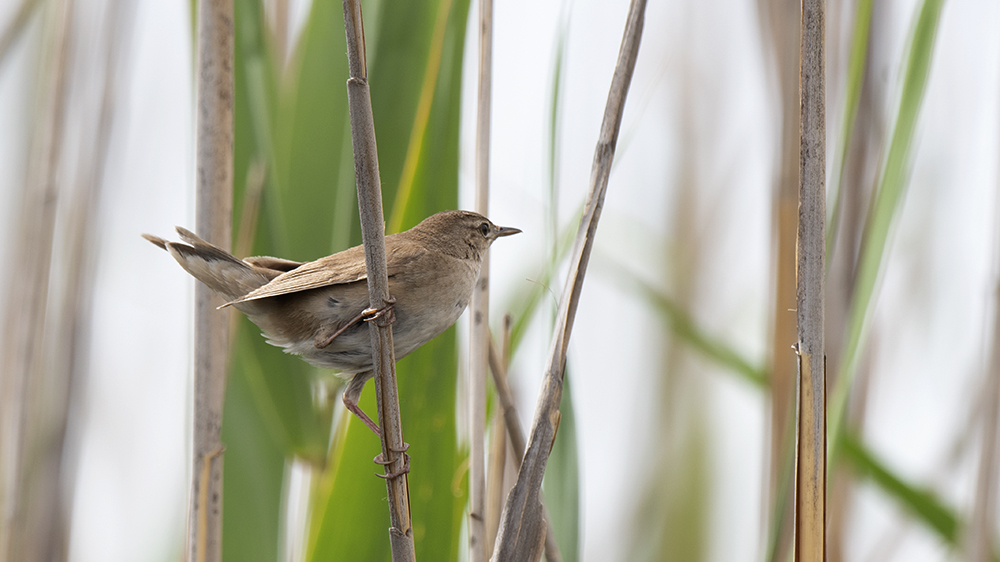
505	231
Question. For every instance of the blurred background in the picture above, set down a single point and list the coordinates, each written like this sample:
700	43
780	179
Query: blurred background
674	443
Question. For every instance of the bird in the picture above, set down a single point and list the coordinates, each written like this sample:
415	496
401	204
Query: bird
316	310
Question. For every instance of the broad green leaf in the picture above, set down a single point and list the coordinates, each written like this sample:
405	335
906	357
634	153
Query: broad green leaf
418	149
281	383
253	471
349	515
307	197
416	101
292	127
268	413
426	382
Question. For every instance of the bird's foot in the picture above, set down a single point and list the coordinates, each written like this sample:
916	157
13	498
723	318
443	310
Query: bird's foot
380	459
386	313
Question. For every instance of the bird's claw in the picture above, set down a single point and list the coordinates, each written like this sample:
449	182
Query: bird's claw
387	311
380	459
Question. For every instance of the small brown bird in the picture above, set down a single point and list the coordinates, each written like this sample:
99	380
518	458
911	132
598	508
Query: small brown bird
316	310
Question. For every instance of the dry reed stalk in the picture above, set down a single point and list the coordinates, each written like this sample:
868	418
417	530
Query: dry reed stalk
979	545
780	19
479	339
67	368
373	236
522	530
213	219
495	478
516	435
810	482
979	539
25	490
495	488
511	420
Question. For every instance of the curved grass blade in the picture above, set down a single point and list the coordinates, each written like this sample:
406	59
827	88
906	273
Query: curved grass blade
887	201
923	504
688	331
855	77
524	305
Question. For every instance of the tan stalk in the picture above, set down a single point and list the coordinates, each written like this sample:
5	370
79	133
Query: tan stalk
495	488
480	307
979	541
497	475
373	237
506	397
516	435
213	220
781	22
67	330
522	530
810	478
23	378
495	478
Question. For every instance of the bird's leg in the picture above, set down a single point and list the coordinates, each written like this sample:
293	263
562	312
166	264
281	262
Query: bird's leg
351	396
322	340
386	310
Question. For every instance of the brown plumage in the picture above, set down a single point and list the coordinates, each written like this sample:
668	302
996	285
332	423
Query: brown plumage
315	310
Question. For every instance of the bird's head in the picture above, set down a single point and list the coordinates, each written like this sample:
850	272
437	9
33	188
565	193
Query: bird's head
463	234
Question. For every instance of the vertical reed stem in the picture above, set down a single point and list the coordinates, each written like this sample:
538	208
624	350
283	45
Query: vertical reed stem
522	527
810	517
480	308
373	235
213	222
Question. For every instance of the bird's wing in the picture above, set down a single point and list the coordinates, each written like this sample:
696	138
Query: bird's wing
274	264
341	268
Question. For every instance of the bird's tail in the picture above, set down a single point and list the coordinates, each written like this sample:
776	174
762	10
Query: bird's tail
218	269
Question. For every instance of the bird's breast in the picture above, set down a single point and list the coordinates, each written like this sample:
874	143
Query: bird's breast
429	302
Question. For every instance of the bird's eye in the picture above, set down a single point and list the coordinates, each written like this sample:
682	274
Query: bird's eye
485	229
